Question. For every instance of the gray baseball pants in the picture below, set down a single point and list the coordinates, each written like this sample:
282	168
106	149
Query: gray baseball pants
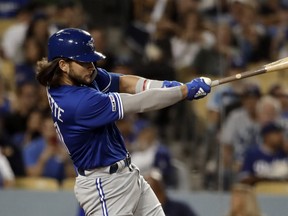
124	193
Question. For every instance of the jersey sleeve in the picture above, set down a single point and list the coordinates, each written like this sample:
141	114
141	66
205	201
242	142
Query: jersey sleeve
107	82
97	109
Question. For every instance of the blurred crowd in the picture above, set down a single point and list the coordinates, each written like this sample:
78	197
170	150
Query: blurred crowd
243	137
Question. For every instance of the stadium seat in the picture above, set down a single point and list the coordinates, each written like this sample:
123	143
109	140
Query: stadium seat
275	188
37	183
68	184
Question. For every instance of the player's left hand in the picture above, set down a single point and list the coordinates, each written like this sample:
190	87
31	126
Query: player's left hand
169	84
198	88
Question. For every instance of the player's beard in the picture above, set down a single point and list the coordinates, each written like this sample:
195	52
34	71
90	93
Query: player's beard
79	79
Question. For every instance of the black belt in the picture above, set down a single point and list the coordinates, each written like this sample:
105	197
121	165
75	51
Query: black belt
113	168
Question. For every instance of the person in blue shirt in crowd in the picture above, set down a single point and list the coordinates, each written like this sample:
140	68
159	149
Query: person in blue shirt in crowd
86	101
267	161
46	156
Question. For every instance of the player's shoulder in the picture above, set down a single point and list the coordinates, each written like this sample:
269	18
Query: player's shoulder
102	72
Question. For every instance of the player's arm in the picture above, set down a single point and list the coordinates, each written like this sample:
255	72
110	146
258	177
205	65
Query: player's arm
112	82
96	109
135	84
157	98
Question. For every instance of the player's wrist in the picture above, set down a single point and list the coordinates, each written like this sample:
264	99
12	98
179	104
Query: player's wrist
169	84
184	91
146	84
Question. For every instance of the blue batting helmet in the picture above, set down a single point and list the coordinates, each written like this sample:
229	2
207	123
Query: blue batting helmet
72	43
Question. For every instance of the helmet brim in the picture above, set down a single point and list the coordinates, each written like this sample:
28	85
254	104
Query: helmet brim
89	57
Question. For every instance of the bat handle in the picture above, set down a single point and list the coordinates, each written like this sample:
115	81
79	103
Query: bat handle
215	83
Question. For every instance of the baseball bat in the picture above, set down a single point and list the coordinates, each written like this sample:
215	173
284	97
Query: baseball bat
279	65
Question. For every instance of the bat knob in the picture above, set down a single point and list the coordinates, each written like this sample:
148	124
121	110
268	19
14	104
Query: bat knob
206	80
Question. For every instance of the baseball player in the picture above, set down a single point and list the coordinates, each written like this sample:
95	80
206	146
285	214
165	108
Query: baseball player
85	102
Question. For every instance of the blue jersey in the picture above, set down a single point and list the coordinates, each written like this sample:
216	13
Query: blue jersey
260	163
84	118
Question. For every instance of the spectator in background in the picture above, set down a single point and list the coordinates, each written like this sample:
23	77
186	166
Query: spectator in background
189	41
225	98
279	33
124	66
10	8
171	207
148	13
9	151
33	51
269	11
46	156
243	201
156	66
38	29
13	154
235	13
14	36
277	106
69	14
100	42
239	132
211	9
215	60
251	37
151	153
281	94
34	47
183	7
26	100
268	110
267	161
7	177
32	131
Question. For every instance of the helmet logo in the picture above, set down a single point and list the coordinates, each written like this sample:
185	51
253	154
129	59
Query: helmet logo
91	44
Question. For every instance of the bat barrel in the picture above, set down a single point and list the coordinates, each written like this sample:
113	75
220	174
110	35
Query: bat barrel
281	64
238	76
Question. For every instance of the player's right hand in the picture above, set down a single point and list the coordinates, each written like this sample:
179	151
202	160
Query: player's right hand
198	88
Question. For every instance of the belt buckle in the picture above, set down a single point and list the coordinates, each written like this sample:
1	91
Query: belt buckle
128	162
